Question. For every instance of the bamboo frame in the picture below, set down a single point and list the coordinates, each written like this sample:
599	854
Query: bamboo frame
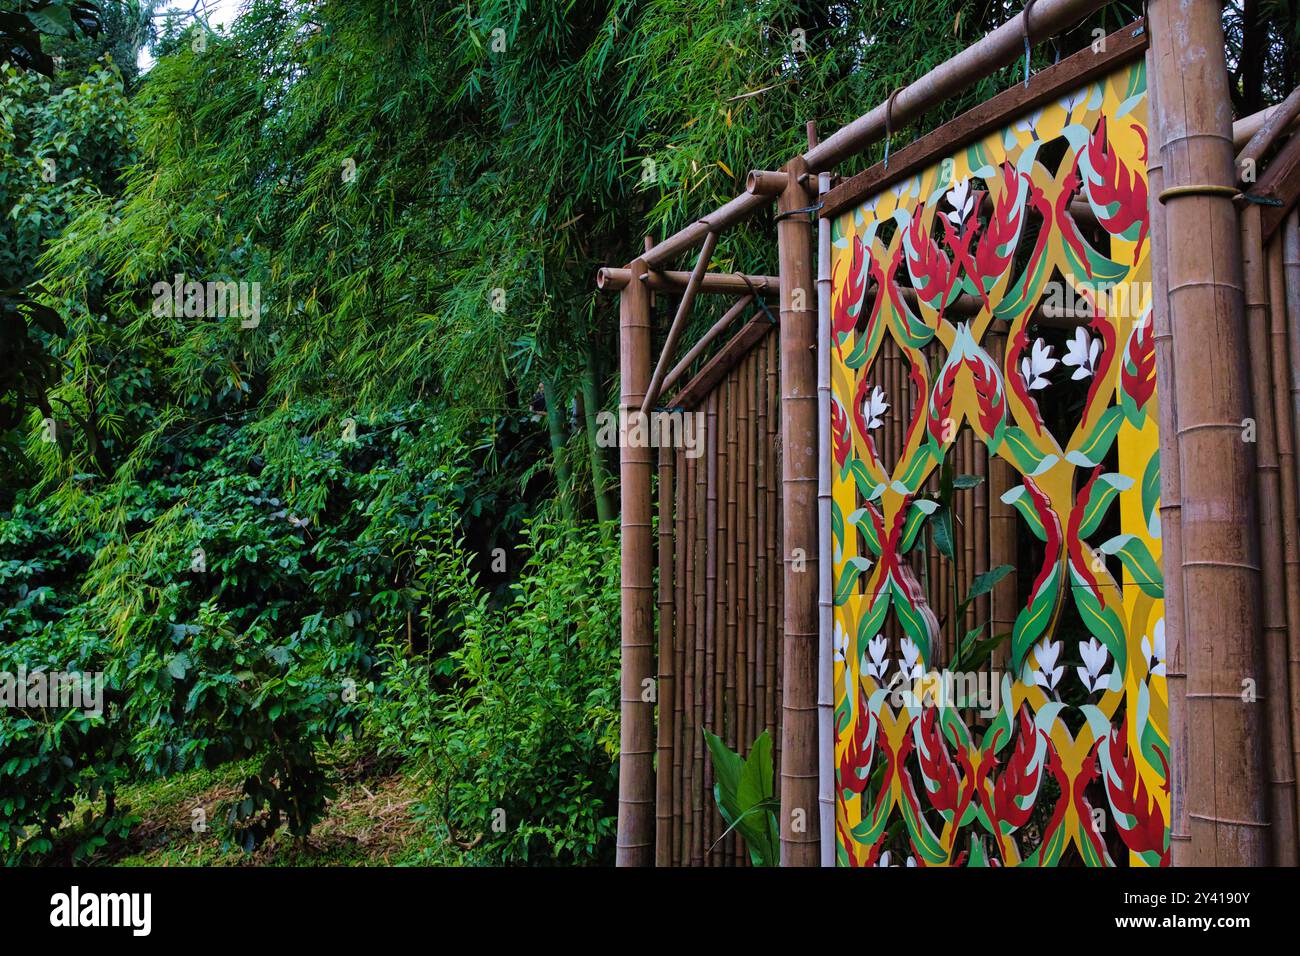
1221	576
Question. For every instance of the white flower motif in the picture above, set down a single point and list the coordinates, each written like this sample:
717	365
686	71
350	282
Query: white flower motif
876	651
1029	124
911	665
1156	654
841	642
1082	352
962	201
1048	674
875	407
1073	99
1038	363
911	861
1095	656
884	859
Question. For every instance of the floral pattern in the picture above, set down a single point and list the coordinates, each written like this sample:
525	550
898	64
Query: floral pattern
1073	763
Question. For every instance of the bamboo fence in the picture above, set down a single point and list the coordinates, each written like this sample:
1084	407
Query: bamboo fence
743	632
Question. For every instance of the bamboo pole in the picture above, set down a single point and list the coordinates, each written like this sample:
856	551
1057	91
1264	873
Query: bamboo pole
763	556
711	612
727	661
681	608
755	597
1273	589
1003	600
678	326
1273	126
744	566
799	832
700	575
614	278
1226	804
1279	351
1291	291
664	688
1171	508
776	605
636	735
825	602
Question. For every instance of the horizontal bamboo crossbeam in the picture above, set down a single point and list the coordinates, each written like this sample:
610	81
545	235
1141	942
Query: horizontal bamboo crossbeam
614	279
1049	84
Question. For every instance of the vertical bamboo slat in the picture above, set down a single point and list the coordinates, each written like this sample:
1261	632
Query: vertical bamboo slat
1291	278
764	555
711	625
699	573
1226	805
825	591
1279	352
684	611
1273	605
636	824
664	687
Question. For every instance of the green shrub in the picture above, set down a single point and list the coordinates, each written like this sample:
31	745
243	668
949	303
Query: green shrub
524	741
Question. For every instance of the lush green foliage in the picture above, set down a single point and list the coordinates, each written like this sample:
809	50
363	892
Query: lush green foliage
276	534
526	730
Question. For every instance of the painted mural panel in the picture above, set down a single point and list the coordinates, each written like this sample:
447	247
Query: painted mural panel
1007	287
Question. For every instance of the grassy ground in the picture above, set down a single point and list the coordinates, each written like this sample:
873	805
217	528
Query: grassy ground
374	821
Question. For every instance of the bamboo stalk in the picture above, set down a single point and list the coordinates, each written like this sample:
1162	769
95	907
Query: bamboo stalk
636	825
776	609
700	574
591	406
664	688
731	601
1280	351
744	563
980	516
711	612
698	348
1291	278
1226	805
682	610
825	592
800	836
1004	599
1273	591
763	555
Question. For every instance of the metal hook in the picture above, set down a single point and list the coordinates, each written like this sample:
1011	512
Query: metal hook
889	120
1024	28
